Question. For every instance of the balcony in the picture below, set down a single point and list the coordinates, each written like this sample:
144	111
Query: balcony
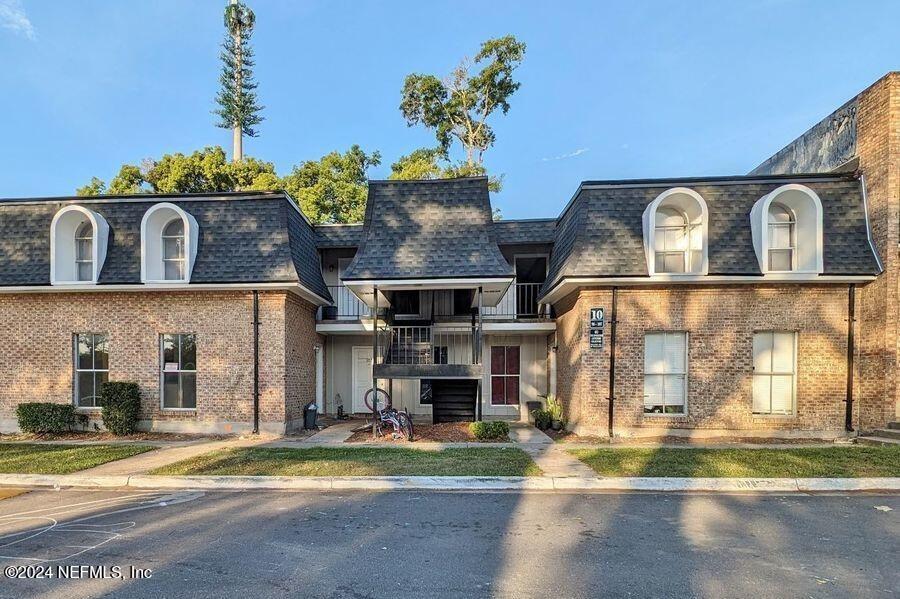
428	352
520	301
346	306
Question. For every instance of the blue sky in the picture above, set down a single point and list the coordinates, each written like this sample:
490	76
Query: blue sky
609	89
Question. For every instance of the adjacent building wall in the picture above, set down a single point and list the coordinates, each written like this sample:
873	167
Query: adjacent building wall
866	130
37	331
720	323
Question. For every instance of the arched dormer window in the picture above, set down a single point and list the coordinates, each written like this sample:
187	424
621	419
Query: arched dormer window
169	238
675	233
787	231
78	239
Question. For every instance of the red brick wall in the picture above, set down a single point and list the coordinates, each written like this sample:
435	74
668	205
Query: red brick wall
37	333
720	323
300	357
878	149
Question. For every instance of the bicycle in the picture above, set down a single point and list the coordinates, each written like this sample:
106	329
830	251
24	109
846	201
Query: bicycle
399	420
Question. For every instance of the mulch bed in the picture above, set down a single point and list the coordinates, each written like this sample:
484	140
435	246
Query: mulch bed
445	432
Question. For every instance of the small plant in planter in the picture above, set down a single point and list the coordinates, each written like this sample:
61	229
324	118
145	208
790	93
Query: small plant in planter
554	409
542	419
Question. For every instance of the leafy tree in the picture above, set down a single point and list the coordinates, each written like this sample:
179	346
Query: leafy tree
333	189
206	170
238	107
459	107
433	163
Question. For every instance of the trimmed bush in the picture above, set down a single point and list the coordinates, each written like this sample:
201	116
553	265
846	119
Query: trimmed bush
543	419
45	417
492	430
121	403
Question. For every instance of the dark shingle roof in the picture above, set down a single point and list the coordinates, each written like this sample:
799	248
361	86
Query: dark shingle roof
250	238
517	232
600	233
428	229
339	236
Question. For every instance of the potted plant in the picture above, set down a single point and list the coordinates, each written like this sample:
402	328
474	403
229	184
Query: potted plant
555	412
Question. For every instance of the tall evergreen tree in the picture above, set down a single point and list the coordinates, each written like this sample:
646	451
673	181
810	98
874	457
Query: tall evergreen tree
238	108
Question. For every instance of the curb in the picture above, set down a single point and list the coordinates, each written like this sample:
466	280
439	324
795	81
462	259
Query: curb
454	483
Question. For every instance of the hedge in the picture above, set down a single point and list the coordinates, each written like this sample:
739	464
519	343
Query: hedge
45	417
494	429
121	403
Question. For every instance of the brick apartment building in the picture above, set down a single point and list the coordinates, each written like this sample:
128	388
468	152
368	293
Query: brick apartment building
688	306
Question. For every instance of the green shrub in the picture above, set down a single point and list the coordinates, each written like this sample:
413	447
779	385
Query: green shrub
554	408
494	429
543	419
121	403
43	417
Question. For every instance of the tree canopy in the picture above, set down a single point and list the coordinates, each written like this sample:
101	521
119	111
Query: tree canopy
329	190
459	106
433	163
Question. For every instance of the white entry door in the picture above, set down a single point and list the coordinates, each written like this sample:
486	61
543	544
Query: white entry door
362	377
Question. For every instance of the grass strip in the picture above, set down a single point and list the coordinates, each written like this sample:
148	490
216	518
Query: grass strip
357	461
27	458
801	462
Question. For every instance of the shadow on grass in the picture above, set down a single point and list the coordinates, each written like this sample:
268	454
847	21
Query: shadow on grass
362	461
22	458
808	462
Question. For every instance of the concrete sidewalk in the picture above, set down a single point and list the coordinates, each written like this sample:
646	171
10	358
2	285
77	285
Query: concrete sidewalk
456	483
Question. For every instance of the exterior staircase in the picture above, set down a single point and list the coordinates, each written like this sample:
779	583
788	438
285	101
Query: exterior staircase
883	436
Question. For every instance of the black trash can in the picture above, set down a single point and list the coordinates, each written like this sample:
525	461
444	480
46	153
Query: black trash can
531	406
309	416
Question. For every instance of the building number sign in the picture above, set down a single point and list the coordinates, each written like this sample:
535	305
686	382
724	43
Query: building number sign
596	325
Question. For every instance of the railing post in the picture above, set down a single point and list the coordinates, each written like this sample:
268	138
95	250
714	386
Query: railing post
374	362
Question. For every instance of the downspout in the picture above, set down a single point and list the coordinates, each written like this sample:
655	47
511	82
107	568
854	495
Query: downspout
255	362
851	319
612	360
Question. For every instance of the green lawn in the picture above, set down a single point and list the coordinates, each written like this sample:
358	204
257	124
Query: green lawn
26	458
358	461
801	462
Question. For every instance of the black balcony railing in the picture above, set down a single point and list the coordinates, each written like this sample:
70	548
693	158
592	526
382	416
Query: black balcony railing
346	306
519	302
416	345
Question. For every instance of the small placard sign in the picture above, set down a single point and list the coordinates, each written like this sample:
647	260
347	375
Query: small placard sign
595	326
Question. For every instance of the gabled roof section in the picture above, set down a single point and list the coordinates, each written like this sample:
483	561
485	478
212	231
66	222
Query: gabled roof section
525	231
600	232
339	236
434	229
254	237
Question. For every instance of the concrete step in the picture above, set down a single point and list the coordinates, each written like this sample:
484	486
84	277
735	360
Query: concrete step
877	441
894	425
887	433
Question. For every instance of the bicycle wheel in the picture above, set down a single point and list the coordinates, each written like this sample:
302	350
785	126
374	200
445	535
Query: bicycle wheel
383	399
406	424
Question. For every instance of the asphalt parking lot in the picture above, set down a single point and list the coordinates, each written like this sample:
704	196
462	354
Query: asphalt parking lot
416	544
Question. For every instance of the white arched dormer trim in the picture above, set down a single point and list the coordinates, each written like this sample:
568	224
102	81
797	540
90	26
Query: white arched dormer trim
692	205
153	223
809	230
63	259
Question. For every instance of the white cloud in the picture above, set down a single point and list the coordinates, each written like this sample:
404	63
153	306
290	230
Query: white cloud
577	152
13	17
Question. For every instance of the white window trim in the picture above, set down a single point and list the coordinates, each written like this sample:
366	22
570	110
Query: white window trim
649	226
793	412
76	370
759	228
191	240
687	368
163	371
100	231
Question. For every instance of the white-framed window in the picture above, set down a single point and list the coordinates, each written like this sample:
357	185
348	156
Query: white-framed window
774	372
782	237
91	368
84	252
173	250
678	242
675	229
178	376
665	373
